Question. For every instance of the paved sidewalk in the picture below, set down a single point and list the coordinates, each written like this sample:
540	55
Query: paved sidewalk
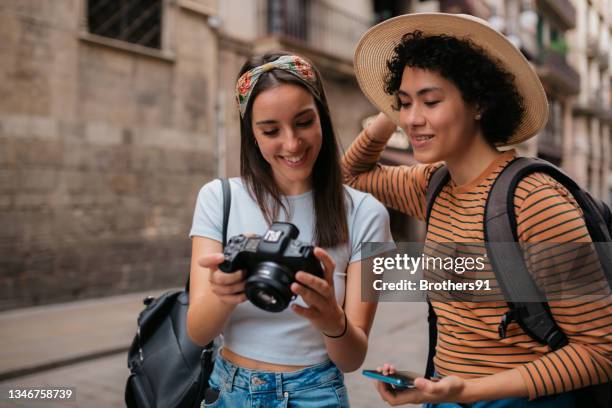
71	336
399	336
47	336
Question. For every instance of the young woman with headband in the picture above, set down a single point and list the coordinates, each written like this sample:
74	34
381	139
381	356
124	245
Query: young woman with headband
290	171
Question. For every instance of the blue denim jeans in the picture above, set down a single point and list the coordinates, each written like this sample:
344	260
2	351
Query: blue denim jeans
318	386
565	400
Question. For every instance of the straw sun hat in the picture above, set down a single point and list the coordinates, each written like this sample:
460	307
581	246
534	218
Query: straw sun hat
376	47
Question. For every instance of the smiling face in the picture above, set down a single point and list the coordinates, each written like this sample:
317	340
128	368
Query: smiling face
288	132
440	125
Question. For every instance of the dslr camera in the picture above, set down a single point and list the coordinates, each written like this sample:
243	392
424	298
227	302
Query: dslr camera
271	262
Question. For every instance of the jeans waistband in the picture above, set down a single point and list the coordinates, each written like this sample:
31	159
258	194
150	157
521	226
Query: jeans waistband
230	375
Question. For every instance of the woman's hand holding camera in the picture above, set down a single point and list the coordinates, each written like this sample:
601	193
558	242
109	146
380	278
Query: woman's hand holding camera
323	311
229	287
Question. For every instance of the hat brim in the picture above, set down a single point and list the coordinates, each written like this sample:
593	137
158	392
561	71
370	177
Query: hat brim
376	47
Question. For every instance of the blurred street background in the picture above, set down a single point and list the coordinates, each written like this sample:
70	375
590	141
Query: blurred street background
113	114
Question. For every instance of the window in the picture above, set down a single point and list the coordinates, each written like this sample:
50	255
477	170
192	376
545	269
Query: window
134	21
384	9
289	18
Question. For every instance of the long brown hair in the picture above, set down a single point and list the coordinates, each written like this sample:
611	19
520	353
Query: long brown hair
329	198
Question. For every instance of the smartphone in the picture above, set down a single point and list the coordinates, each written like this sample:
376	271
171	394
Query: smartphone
398	380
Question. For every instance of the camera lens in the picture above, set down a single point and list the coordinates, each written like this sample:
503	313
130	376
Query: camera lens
268	286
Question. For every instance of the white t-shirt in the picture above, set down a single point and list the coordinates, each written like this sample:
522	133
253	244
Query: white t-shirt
285	338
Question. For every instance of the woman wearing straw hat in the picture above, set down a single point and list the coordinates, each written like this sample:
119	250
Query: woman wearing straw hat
459	90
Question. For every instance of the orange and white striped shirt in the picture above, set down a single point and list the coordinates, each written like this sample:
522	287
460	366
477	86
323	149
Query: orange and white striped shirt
468	341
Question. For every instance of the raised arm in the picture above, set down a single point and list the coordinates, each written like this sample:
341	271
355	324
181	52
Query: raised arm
400	187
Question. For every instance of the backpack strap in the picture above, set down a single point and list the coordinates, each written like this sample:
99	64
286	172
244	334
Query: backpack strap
432	321
514	278
227	202
596	213
439	178
606	213
500	226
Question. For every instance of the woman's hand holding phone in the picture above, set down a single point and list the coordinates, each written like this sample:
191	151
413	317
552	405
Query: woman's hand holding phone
423	390
397	380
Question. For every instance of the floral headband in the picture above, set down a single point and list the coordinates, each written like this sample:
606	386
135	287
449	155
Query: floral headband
290	63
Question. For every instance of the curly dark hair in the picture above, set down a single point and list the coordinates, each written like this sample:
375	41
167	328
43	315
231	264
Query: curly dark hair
480	80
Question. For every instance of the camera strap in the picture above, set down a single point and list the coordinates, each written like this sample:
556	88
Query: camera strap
227	202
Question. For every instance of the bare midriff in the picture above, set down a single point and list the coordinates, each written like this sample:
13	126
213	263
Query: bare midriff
245	362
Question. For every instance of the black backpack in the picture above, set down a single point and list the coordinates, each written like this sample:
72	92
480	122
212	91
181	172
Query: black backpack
167	369
500	226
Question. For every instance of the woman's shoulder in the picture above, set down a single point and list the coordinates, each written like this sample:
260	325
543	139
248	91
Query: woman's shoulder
546	211
213	187
361	201
368	219
538	185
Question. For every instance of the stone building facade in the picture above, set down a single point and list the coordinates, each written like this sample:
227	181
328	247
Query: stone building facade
114	114
104	144
590	52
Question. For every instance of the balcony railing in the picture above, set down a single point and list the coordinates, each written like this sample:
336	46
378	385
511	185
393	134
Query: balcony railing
314	23
554	70
563	10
